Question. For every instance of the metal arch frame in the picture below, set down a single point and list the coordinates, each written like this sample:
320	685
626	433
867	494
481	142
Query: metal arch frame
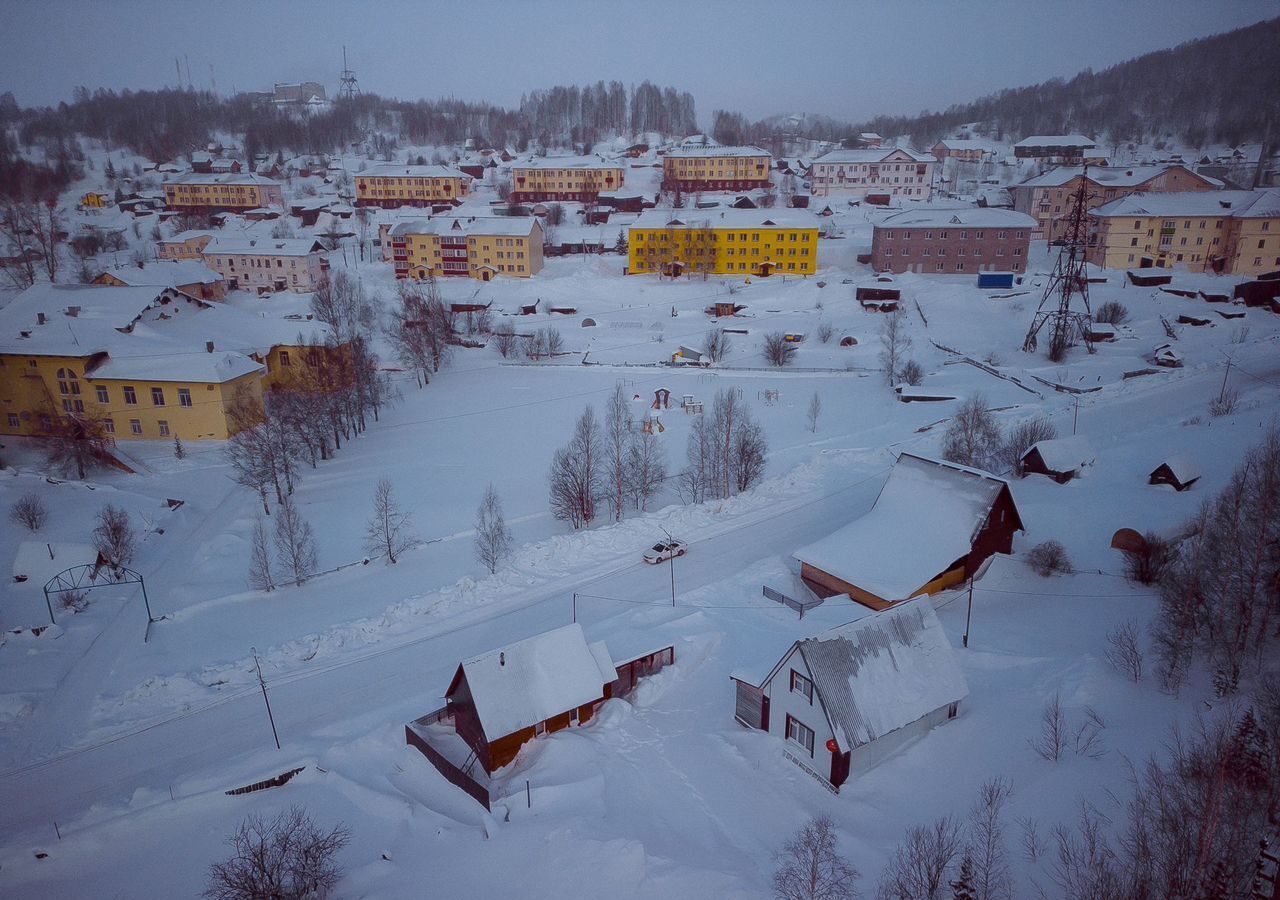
86	576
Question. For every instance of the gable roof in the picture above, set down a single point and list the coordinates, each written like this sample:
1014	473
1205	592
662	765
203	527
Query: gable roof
882	672
1057	140
166	273
726	217
263	246
403	170
1264	203
568	162
518	226
1108	176
874	155
926	517
715	150
1181	467
966	217
1063	454
532	680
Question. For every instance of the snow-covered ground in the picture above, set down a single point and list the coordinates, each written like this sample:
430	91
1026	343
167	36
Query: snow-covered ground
128	746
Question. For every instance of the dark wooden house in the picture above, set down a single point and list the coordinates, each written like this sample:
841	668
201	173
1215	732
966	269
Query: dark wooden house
933	525
1178	472
1060	458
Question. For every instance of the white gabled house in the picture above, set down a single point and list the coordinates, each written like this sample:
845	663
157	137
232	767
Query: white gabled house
850	697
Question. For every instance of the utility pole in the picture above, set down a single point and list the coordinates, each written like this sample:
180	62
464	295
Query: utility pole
575	606
969	615
262	684
1222	393
1075	417
672	561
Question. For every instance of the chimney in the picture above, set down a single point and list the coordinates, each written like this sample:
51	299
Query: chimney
208	346
40	318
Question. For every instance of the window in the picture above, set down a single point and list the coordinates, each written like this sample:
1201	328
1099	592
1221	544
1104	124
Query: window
284	359
135	426
103	397
130	397
184	397
14	421
164	428
799	733
157	396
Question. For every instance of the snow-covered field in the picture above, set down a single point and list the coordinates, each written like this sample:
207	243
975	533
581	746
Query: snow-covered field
115	753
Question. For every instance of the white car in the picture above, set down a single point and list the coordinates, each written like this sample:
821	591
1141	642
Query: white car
664	550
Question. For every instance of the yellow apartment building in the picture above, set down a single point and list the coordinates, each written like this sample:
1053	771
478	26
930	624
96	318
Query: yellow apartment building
481	247
391	185
693	169
1228	232
230	192
564	178
758	242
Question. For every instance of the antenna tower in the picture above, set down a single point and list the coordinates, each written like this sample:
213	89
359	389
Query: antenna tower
349	88
1067	326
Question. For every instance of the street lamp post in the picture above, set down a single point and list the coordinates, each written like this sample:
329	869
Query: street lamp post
670	541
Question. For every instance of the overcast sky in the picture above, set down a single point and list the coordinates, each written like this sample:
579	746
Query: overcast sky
850	60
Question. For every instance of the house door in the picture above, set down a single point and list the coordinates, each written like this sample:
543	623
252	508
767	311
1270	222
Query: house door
839	768
484	276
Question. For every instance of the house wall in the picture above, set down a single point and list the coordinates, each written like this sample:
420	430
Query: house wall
251	271
28	392
716	173
898	176
866	757
724	251
189	249
419	255
219	195
949	250
1119	242
1051	205
533	184
1254	246
828	585
408	190
784	702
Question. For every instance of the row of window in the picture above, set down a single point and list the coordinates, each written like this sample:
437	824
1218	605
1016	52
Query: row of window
755	251
108	425
949	234
942	251
873	168
686	236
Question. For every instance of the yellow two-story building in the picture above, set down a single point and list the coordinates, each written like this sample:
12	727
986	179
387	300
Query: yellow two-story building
564	178
759	242
232	192
143	363
1228	232
693	169
391	185
482	247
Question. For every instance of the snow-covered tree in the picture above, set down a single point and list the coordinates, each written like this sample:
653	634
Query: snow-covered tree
114	536
389	530
810	866
493	538
972	438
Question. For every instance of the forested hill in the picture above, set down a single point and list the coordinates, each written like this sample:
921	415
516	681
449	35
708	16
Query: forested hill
1216	89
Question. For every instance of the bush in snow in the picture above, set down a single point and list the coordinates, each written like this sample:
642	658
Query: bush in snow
972	438
825	331
1111	313
1146	564
1124	650
1225	403
288	857
29	512
74	601
1049	558
114	536
777	349
912	373
810	866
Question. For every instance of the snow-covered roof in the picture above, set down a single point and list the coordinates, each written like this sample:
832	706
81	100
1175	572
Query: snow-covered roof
1057	140
166	273
1263	203
1183	468
1104	176
568	162
957	144
926	518
532	680
183	236
263	246
971	217
521	226
1063	454
883	672
726	218
401	170
221	178
697	152
874	155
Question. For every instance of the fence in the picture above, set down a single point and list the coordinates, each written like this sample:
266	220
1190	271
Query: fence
800	606
452	773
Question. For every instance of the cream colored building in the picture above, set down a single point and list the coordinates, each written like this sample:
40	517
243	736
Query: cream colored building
874	173
231	192
391	185
573	178
481	247
693	169
267	265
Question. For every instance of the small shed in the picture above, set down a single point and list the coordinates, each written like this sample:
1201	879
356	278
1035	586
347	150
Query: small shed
881	295
1164	355
1059	458
850	697
1101	331
1179	472
1149	277
997	280
687	356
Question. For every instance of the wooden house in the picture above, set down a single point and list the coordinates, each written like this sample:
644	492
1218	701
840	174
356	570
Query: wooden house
501	699
850	697
933	524
1060	458
1178	472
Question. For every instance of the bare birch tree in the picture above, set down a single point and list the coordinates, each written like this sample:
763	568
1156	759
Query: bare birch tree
286	857
617	435
815	410
295	542
972	437
493	538
991	878
918	868
577	473
894	344
646	467
389	530
810	866
260	577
